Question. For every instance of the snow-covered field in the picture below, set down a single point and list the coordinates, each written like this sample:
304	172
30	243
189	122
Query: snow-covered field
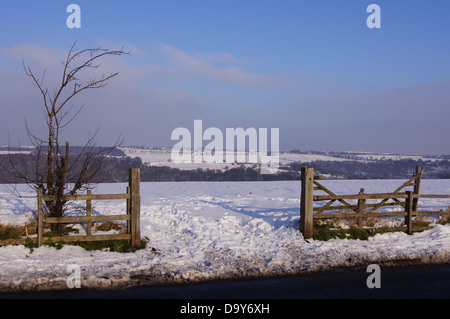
163	158
201	231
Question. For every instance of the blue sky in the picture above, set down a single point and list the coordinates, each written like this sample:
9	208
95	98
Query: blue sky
313	69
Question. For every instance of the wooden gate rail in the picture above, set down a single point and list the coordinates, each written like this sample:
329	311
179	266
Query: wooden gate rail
410	203
414	181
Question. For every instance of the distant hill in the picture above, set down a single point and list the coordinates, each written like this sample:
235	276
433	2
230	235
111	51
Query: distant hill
155	165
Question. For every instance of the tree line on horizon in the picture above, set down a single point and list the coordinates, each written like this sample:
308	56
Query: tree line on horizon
115	169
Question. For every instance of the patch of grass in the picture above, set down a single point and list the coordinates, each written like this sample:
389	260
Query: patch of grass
50	243
119	246
421	221
14	231
8	232
65	230
360	233
109	226
30	244
323	231
327	231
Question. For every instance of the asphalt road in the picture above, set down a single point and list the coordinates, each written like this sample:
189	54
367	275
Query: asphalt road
423	282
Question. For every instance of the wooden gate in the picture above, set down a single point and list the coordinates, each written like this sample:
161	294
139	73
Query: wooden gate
361	209
132	215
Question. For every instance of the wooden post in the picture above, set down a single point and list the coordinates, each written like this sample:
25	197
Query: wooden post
409	211
361	202
135	206
418	175
40	216
129	212
306	202
88	213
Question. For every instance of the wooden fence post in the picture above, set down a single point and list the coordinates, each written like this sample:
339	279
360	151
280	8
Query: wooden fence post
306	202
135	206
409	211
361	202
88	213
40	228
418	175
129	212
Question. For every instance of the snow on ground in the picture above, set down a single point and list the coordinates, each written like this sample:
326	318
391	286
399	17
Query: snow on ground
201	231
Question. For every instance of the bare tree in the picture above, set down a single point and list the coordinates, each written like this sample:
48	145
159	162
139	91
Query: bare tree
58	170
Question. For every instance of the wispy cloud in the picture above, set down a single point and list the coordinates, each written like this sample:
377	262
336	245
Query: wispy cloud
206	67
223	57
143	114
44	56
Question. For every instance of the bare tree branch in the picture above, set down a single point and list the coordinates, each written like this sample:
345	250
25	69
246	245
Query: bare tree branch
59	167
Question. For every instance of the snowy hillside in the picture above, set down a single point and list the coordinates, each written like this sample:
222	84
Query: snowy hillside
162	157
201	231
